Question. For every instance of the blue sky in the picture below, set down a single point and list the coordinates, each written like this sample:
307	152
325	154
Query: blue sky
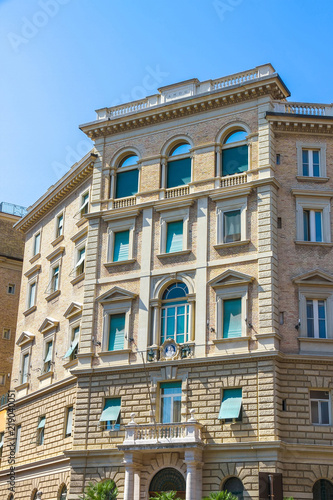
62	59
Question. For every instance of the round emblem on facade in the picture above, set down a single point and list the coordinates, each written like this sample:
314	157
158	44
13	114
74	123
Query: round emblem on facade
169	350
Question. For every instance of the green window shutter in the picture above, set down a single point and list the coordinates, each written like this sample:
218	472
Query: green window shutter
234	160
171	385
48	356
41	424
232	318
231	403
174	241
127	183
111	410
179	172
121	246
117	332
74	343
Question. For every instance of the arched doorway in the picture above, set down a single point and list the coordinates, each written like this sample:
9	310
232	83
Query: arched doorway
235	486
322	490
168	479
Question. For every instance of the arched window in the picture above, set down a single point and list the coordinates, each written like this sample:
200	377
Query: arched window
322	490
63	493
235	153
127	177
179	166
235	486
175	313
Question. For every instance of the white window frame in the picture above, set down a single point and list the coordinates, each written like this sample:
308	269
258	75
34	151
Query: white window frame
231	292
83	204
110	309
50	288
78	248
56	225
229	205
66	421
316	317
6	330
47	340
319	406
181	214
118	226
315	293
31	282
34	243
316	203
23	354
76	323
13	287
40	431
171	396
312	146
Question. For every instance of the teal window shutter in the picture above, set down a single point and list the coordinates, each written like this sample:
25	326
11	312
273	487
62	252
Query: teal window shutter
174	241
232	226
74	343
231	403
127	183
178	172
41	424
111	410
121	246
171	385
117	332
234	160
232	318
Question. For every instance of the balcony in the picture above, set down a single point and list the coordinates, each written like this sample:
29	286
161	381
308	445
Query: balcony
152	436
304	108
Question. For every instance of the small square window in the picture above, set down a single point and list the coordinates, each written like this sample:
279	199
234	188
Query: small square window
11	289
320	407
6	333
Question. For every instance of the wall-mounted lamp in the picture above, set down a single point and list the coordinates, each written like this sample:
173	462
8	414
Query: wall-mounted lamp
298	325
185	351
150	355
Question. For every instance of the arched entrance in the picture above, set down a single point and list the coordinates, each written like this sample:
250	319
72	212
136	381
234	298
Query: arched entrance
168	479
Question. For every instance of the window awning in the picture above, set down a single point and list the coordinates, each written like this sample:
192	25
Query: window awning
41	424
231	403
82	258
74	343
48	356
111	410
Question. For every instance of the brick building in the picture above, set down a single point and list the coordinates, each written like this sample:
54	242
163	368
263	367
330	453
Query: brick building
176	315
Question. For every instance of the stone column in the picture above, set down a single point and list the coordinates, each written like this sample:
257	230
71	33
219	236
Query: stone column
193	474
132	476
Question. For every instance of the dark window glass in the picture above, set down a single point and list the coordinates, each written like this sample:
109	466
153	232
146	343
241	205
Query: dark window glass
127	183
178	172
234	160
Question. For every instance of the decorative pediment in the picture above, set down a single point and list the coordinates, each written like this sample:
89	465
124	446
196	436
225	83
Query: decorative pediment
25	338
314	278
116	294
48	324
229	278
74	309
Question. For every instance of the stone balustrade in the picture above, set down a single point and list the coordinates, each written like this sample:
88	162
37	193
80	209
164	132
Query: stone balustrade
304	108
124	202
234	180
177	191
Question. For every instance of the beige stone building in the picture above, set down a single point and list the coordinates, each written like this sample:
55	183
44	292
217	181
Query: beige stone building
176	314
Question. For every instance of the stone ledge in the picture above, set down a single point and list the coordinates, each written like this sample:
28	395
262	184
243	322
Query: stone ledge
172	254
57	240
53	295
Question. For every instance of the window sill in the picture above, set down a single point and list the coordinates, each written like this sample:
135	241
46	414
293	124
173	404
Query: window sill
34	258
236	345
81	221
304	178
112	264
71	363
53	295
57	240
22	386
46	375
112	358
314	346
172	254
78	278
30	310
316	243
114	353
219	246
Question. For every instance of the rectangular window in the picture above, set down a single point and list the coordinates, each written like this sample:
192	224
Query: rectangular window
11	289
18	438
36	248
174	239
55	279
231	404
81	256
84	204
117	332
48	357
320	407
316	318
127	183
41	431
6	333
175	322
73	349
32	295
310	162
234	160
171	398
60	225
231	226
69	421
121	246
232	318
312	222
2	379
25	369
178	172
110	417
2	436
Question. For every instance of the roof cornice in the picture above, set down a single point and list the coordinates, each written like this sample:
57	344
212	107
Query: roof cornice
289	122
75	176
270	85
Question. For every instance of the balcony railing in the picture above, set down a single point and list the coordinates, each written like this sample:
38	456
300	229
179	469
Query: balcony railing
234	180
162	434
177	191
124	202
303	108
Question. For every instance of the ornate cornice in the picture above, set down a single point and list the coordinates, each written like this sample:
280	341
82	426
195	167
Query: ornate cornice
298	123
271	86
76	175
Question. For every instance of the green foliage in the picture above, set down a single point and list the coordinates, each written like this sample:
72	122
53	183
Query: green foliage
104	490
288	498
221	495
165	495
